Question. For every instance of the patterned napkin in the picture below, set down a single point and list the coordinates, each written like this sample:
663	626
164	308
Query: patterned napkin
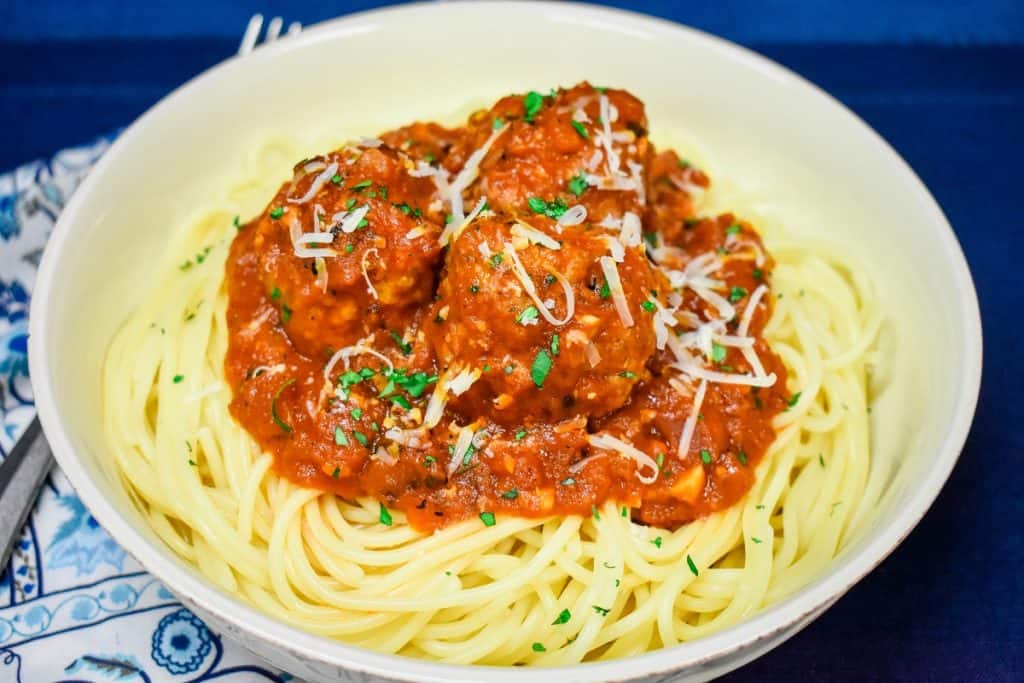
73	605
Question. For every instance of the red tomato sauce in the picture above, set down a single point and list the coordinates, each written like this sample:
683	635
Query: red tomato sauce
429	312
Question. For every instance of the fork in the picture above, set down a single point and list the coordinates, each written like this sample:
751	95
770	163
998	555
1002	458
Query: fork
23	472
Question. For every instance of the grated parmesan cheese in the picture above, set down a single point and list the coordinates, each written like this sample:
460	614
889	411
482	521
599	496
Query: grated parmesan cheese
317	184
611	275
642	460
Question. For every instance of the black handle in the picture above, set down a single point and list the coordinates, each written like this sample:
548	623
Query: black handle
21	476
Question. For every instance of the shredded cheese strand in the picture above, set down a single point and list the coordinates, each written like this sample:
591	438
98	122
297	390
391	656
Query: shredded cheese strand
611	275
317	184
642	460
748	312
366	275
531	290
691	421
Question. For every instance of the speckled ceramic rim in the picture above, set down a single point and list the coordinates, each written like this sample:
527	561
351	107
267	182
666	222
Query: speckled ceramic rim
711	651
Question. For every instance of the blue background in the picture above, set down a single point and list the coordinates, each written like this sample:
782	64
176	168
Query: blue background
943	82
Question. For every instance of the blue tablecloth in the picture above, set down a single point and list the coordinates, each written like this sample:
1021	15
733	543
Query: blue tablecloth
943	82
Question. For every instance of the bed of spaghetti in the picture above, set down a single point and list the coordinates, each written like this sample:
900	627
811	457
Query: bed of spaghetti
542	592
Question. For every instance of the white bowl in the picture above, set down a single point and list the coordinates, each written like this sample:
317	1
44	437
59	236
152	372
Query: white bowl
827	172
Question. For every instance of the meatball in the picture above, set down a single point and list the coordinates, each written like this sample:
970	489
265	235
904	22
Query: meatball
428	142
536	362
553	153
376	256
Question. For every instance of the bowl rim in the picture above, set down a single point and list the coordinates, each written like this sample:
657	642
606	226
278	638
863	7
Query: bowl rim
791	613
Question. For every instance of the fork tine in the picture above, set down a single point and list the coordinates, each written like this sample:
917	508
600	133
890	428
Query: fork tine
273	29
294	28
251	35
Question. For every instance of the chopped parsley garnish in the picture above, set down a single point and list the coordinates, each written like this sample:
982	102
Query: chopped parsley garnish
286	314
736	293
192	462
337	179
273	407
541	367
357	413
360	437
349	248
603	611
538	647
497	123
692	565
385	516
757	273
496	259
705	455
556	344
400	400
660	459
625	511
580	129
532	104
733	229
553	209
404	346
336	473
474	288
742	457
755	539
177	379
684	163
793	400
511	494
594	511
487	518
568	481
509	369
821	459
717	352
652	239
277	212
275	293
362	185
578	184
403	207
648	306
429	460
520	435
563	618
339	437
350	203
628	374
528	315
606	290
237	222
656	542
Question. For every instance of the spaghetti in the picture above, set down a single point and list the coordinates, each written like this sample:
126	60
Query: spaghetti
493	588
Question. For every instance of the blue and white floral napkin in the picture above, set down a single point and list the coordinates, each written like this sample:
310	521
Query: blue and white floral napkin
73	605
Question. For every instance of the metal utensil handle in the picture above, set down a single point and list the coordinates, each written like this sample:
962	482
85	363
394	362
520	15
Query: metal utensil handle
21	476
